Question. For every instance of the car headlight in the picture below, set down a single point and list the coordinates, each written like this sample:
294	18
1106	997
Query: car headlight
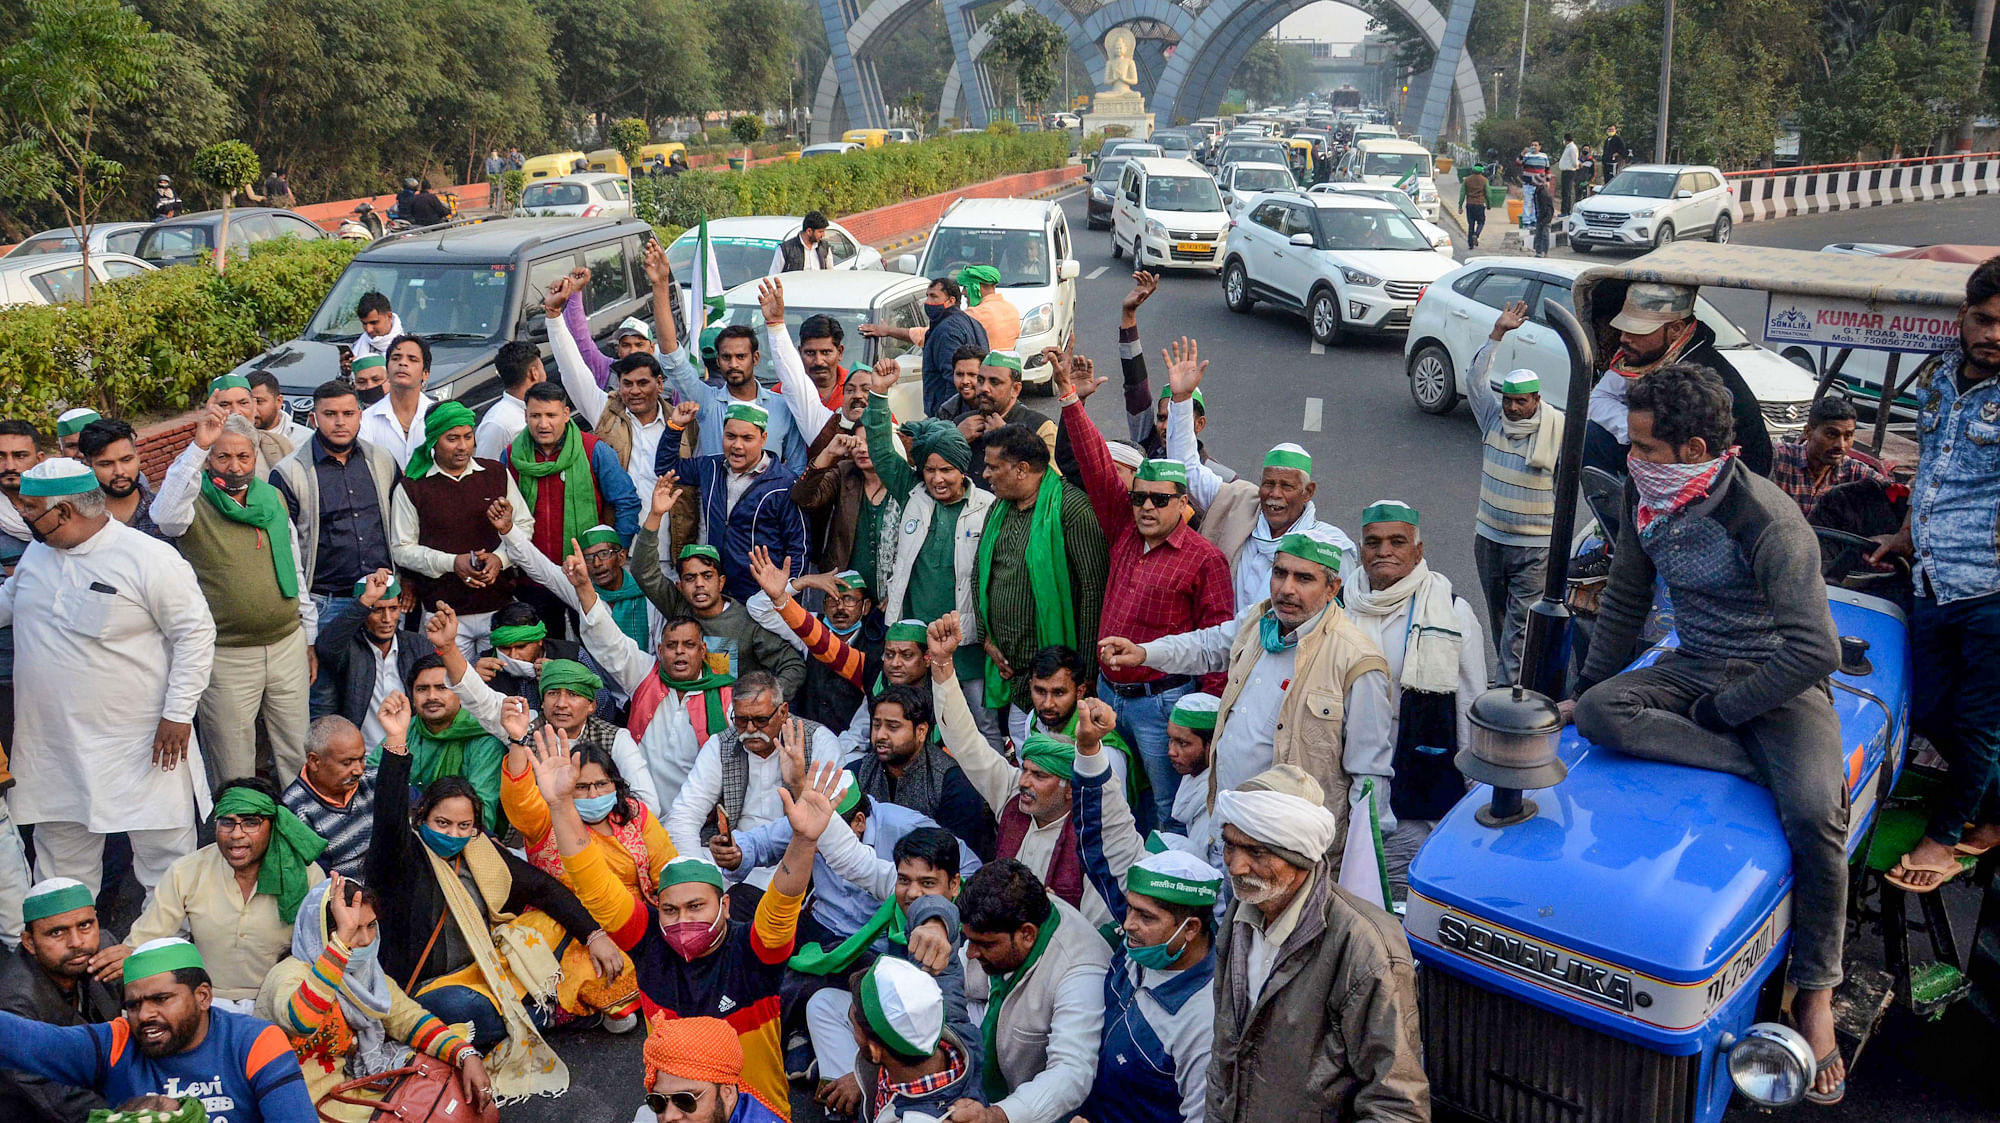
1155	230
1357	277
1771	1064
1039	319
1647	213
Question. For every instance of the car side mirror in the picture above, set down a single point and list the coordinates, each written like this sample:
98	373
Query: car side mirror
1683	193
1303	239
905	263
1596	187
1090	179
1070	268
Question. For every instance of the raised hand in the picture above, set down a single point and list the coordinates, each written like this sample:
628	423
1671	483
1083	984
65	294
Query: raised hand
684	414
575	568
792	753
208	426
555	769
1058	360
1119	653
943	637
657	269
375	587
811	811
394	714
775	581
346	915
666	493
771	300
500	513
1095	719
886	372
558	296
1511	317
442	628
515	718
1185	367
1144	284
1083	377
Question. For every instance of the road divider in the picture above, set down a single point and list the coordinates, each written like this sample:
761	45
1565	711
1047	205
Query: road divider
1786	192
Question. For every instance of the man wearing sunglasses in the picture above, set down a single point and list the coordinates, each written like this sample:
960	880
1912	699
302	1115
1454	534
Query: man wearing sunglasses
694	1069
741	768
1172	580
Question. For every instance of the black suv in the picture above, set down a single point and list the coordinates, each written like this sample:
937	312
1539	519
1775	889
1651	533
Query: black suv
468	288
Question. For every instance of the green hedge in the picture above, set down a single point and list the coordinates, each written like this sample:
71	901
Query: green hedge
843	185
146	344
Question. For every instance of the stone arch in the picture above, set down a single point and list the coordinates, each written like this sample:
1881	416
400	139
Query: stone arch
881	18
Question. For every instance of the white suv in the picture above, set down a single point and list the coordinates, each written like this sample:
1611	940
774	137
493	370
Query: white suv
1347	263
1648	205
1169	214
1027	240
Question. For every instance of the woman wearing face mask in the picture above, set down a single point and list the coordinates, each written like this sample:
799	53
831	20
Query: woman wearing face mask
1159	1007
470	931
345	1017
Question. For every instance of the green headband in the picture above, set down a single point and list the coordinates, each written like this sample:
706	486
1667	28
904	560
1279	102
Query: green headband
908	631
1001	359
691	871
1311	549
879	1023
851	580
971	277
1171	889
228	382
370	362
748	411
850	798
1200	402
507	635
1197	720
1286	458
176	955
71	426
599	536
440	419
1050	754
1521	382
1161	471
394	590
52	487
54	902
570	675
1389	511
709	553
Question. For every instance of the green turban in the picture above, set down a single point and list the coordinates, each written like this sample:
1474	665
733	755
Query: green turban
1050	754
973	276
440	419
293	847
570	675
941	437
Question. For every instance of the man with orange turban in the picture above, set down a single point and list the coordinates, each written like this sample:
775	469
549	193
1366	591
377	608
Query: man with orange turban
694	1072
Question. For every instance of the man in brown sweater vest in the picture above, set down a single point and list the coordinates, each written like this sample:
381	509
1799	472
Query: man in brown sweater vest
439	531
233	528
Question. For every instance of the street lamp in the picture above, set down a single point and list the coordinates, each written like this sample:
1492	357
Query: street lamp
1496	91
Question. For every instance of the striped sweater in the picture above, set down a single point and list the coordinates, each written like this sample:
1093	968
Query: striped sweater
1517	505
345	829
313	1013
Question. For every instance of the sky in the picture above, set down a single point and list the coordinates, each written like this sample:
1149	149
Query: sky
1326	20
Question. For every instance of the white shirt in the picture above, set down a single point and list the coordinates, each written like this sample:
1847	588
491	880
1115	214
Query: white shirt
290	430
703	789
387	682
483	703
381	428
1607	404
173	512
1569	160
801	396
778	260
590	400
1392	633
737	485
96	671
406	530
503	422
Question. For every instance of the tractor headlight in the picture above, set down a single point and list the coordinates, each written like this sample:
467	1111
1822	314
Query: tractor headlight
1771	1064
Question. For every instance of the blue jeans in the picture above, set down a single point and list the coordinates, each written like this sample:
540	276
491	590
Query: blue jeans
1143	723
325	696
453	1005
1955	702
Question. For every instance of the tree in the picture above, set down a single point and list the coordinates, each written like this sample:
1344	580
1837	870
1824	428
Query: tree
80	61
753	53
229	166
1897	93
1262	74
746	129
1030	45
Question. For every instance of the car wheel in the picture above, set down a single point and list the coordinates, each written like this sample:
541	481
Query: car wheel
1665	235
1323	315
1721	235
1432	383
1117	251
1580	247
1138	252
1236	287
1801	358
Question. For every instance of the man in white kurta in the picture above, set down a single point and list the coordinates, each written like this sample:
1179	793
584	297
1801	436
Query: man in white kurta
756	692
112	650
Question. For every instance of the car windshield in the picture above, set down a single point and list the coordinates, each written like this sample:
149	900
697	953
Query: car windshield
554	195
1257	153
1022	256
1262	179
1182	193
1108	171
1354	229
1396	164
172	243
434	301
1644	185
1173	142
1398	199
736	259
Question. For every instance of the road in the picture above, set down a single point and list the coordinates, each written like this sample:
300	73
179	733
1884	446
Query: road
1350	407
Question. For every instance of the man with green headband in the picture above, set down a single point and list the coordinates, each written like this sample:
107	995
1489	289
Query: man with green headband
1244	518
48	979
236	531
745	493
1035	981
231	393
571	482
983	302
997	398
1305	686
1042	568
441	525
238	895
171	1042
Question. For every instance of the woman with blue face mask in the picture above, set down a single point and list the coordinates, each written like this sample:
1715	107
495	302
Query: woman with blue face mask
345	1017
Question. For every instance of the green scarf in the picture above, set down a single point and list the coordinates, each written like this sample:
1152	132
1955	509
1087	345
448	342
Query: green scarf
264	509
709	684
627	604
1048	557
579	490
282	873
889	920
191	1110
998	988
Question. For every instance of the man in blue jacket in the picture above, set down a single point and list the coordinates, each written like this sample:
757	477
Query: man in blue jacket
746	494
950	329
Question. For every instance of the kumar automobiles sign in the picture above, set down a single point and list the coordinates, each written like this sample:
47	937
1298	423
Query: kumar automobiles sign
1920	328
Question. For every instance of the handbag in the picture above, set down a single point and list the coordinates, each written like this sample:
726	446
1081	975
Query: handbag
424	1091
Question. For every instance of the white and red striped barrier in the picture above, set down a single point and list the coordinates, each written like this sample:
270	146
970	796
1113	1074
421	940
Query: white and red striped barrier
1785	192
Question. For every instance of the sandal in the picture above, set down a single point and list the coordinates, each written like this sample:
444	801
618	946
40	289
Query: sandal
1898	876
1839	1092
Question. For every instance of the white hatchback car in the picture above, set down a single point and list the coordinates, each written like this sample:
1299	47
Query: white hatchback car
1241	182
582	195
1398	198
1457	314
744	248
1646	206
1345	262
1028	241
1169	214
57	278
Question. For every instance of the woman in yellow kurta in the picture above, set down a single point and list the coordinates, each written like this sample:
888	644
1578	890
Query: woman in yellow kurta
345	1017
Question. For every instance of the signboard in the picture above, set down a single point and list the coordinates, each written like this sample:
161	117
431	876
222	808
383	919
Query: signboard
1917	328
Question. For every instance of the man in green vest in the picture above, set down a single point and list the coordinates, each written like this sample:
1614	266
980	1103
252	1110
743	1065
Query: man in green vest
234	530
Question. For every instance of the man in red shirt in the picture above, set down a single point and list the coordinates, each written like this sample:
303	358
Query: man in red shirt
1170	580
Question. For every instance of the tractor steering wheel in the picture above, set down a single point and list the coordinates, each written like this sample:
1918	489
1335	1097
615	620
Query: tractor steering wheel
1844	562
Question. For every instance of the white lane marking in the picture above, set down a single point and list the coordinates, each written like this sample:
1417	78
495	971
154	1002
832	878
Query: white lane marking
1097	272
1317	347
1311	424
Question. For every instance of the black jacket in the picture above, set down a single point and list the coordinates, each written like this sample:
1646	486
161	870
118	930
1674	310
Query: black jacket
950	329
426	209
794	251
27	990
1602	450
347	654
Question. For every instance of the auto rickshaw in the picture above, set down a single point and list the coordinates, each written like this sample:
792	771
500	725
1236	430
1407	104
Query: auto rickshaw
1612	948
1299	156
866	138
657	157
608	160
554	164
